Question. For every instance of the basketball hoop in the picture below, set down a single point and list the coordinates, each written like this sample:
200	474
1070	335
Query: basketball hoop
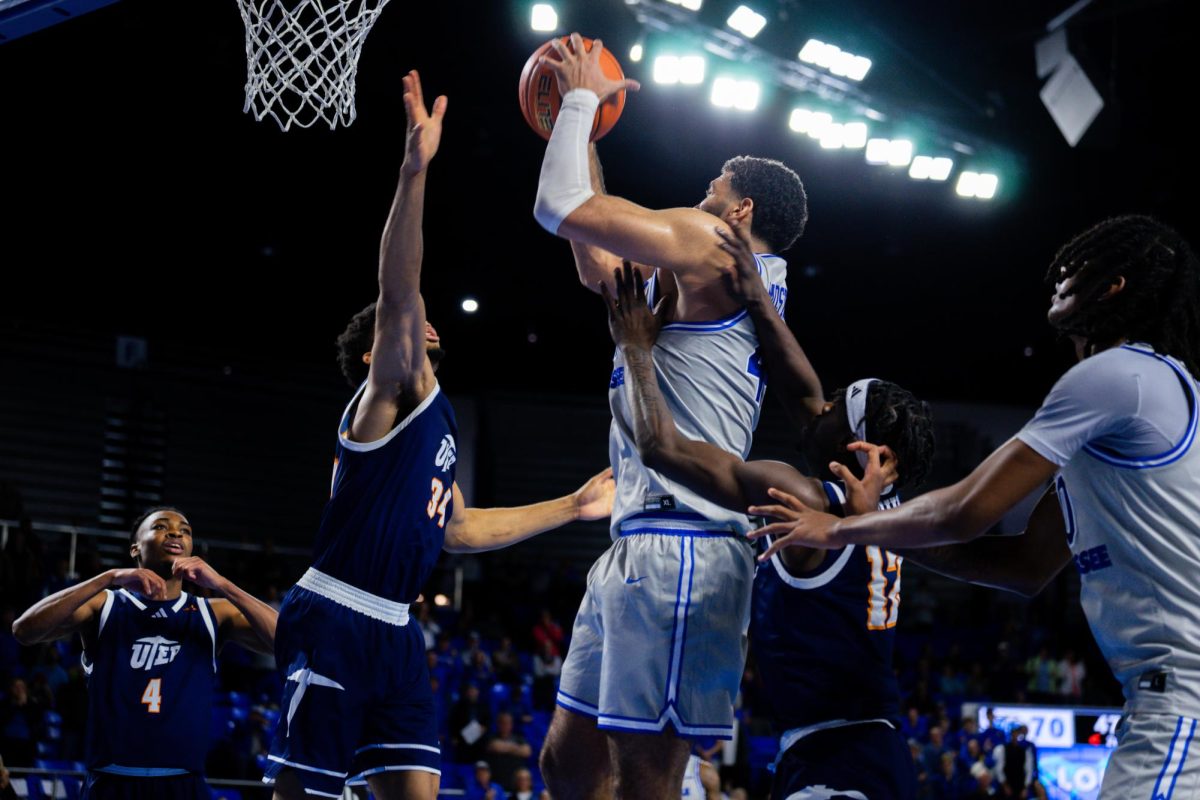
302	58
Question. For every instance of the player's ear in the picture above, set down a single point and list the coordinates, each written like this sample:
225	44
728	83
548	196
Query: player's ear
743	212
367	357
135	550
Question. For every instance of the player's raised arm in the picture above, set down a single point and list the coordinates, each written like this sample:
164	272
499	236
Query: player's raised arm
69	610
400	375
682	240
792	376
704	468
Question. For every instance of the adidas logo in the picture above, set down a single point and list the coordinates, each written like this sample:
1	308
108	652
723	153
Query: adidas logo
160	614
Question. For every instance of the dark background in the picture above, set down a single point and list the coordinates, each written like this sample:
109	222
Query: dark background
137	198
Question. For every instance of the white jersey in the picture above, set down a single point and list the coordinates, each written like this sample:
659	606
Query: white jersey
711	376
1132	518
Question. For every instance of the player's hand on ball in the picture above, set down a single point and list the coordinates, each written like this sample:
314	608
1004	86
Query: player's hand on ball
196	570
141	580
424	129
800	525
594	500
630	320
577	68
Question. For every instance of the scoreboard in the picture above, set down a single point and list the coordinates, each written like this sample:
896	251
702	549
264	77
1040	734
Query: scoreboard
1073	743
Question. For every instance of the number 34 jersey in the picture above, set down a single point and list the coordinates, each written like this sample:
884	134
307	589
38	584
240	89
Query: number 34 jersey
151	675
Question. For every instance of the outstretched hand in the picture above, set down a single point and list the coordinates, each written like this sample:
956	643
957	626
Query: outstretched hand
800	525
630	320
424	129
741	277
577	68
594	500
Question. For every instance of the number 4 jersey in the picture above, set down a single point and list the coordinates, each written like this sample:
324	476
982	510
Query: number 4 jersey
151	675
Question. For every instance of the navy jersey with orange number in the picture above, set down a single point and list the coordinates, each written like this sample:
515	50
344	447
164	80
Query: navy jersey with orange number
151	676
823	640
385	522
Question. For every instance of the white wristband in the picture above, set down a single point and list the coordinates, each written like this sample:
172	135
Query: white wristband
565	183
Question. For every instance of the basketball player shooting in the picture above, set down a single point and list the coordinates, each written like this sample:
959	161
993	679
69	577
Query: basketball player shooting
679	570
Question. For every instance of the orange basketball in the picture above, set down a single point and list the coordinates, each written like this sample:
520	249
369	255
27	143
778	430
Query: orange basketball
540	98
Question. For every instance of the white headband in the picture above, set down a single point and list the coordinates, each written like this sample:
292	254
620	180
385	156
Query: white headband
856	413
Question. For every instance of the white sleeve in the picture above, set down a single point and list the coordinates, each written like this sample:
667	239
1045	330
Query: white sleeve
1090	401
565	183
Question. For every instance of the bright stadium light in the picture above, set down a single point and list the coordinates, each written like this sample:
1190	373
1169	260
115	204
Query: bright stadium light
746	21
939	169
732	93
855	135
666	69
800	119
833	137
900	152
833	58
691	70
470	305
878	151
818	123
920	168
976	184
690	5
635	53
544	18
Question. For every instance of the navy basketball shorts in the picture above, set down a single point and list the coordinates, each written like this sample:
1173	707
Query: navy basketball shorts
870	761
356	698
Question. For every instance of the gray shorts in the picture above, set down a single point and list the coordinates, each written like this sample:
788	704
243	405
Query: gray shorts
661	634
1157	757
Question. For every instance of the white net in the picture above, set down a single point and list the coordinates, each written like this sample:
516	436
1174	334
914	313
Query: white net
302	58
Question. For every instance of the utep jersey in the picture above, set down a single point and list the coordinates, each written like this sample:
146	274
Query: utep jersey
385	522
151	676
711	377
823	640
1133	526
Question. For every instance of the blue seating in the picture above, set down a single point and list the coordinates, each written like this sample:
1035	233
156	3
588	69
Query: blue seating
224	793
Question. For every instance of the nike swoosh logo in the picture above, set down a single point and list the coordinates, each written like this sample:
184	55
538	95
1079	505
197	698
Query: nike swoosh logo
635	580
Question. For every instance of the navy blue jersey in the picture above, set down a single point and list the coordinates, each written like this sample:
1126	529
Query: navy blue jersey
823	640
151	675
385	521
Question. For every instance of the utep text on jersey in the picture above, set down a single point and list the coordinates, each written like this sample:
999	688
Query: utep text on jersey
151	676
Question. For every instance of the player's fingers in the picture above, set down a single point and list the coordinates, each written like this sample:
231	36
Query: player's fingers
560	49
597	46
775	547
629	84
439	107
774	511
418	93
789	500
842	473
774	529
608	300
577	44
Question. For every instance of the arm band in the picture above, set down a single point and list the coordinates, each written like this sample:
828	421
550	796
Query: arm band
565	183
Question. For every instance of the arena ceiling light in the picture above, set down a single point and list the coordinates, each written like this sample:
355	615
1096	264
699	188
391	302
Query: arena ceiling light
690	5
834	59
691	70
470	305
666	69
927	168
734	93
855	135
636	52
878	151
746	21
833	137
980	185
543	17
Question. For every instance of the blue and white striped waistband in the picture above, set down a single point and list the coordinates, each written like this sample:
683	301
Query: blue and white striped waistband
675	523
354	598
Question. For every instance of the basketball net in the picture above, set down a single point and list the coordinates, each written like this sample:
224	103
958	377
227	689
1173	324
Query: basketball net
302	58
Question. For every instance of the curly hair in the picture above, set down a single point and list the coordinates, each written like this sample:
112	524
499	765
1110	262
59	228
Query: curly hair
1160	304
149	512
357	339
897	419
780	204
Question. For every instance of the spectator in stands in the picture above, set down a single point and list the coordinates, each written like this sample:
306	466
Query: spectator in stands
1071	673
1016	765
968	730
523	787
507	750
482	787
547	666
920	769
479	668
992	736
506	662
948	783
469	722
1040	670
429	626
931	754
914	724
547	630
474	650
